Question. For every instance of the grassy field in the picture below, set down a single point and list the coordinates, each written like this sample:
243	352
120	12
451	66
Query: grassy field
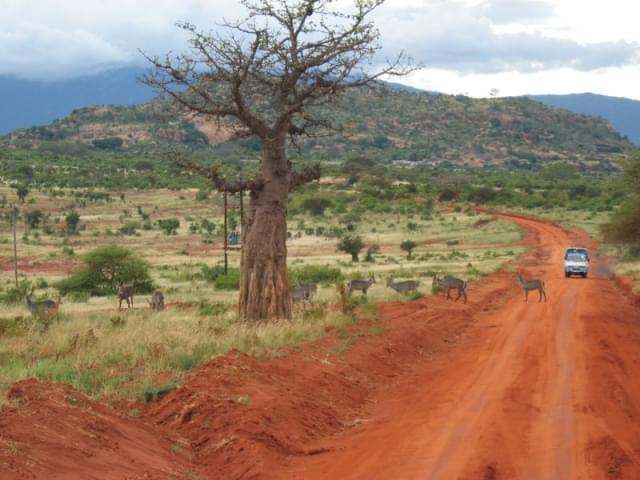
131	354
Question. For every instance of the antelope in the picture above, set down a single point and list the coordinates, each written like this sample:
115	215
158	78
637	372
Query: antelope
362	285
303	292
406	286
528	285
44	307
125	293
451	283
156	302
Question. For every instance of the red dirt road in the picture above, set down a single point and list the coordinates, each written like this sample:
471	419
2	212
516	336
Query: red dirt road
432	389
543	391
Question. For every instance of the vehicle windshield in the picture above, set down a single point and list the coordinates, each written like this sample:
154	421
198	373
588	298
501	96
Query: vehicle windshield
575	257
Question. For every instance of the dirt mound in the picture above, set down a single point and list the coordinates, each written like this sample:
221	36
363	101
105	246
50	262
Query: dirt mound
245	417
55	432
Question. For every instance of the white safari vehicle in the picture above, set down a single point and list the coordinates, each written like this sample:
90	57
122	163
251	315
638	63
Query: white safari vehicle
576	261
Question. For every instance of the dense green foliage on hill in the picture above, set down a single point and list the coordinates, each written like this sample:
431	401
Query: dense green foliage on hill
105	146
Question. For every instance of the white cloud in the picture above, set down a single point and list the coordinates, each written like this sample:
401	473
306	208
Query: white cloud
517	46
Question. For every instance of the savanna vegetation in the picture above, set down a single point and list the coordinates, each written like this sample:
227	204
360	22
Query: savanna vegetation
102	203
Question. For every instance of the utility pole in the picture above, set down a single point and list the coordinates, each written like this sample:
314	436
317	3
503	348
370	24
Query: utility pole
14	221
226	260
241	212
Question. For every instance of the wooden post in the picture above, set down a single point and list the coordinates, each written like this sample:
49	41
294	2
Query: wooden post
241	212
14	218
226	260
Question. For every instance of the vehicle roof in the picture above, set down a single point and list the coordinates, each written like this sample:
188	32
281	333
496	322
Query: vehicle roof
577	248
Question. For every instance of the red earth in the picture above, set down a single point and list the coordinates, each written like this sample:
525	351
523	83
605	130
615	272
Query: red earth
432	389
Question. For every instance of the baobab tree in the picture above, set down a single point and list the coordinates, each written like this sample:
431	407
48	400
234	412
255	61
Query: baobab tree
263	75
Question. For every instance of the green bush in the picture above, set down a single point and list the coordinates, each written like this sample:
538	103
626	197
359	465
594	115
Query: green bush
129	228
230	281
169	226
211	274
351	245
316	205
15	295
322	274
106	268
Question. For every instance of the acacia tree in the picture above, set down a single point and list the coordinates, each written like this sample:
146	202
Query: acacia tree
262	75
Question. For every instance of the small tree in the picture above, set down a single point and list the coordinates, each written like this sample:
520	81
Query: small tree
624	226
169	226
107	268
408	246
72	220
22	191
33	218
316	206
352	245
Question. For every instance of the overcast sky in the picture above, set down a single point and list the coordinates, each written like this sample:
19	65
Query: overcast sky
466	46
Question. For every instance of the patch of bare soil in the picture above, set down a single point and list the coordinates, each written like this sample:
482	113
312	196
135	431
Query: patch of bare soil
55	432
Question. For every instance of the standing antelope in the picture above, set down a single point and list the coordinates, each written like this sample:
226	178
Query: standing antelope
302	293
44	307
157	301
125	293
451	283
362	285
406	286
528	285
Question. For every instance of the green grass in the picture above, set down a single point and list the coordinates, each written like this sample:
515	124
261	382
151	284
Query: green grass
101	351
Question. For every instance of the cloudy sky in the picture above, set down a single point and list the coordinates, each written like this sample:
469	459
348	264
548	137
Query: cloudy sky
466	46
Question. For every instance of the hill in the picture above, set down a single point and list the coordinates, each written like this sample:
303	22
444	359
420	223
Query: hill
392	125
623	113
26	103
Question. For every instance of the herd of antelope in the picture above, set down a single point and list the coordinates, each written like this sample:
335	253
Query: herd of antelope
304	292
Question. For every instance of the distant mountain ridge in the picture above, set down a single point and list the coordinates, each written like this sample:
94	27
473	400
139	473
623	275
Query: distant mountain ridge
392	125
26	103
623	113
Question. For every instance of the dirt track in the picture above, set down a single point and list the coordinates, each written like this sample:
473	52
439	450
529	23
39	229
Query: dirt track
495	389
547	391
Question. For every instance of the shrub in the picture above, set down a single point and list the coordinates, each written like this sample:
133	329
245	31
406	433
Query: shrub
211	274
408	246
16	294
105	269
323	274
129	228
110	143
169	226
72	220
33	218
230	281
352	245
316	206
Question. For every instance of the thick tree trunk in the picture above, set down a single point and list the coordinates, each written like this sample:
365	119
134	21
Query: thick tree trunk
264	286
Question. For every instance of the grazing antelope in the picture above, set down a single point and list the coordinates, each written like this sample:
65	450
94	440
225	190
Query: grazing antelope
528	285
156	302
42	308
362	285
310	288
125	293
451	283
406	286
303	293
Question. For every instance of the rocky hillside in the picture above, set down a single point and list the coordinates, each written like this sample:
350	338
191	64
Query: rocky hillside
399	126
